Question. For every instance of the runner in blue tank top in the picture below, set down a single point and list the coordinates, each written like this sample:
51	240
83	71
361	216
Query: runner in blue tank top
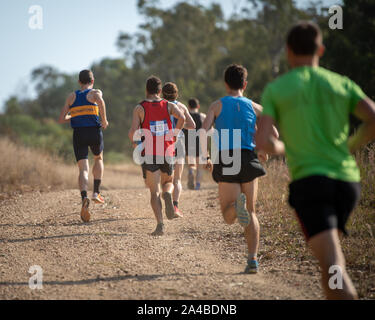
234	117
170	93
82	109
236	113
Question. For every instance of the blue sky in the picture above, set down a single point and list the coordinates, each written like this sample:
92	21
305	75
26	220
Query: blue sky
75	34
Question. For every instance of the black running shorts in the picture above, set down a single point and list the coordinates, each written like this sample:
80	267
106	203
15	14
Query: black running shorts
322	203
250	168
158	164
86	137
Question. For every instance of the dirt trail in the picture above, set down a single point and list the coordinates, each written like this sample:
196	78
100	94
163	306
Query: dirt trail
115	257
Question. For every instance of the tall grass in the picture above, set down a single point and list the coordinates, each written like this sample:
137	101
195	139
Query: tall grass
359	247
283	238
24	169
28	169
366	161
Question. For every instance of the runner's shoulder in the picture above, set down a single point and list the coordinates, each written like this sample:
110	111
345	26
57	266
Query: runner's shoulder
334	83
299	75
215	108
139	107
139	111
334	78
257	107
96	92
71	98
216	104
182	106
281	80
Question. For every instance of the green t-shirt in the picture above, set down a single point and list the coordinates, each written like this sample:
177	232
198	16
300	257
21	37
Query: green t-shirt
311	105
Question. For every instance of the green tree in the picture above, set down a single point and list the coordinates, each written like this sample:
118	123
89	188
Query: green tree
351	51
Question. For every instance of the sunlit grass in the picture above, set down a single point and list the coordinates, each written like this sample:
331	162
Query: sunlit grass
282	234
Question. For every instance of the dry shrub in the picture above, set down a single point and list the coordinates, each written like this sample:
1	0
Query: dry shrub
359	248
281	232
24	169
282	236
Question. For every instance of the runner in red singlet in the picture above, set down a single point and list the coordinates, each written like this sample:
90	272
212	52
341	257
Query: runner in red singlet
153	117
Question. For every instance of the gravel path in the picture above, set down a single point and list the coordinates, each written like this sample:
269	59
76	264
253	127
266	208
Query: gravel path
115	257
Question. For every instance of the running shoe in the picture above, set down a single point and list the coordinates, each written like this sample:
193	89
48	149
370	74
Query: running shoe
169	208
97	198
85	214
177	212
243	215
252	266
190	183
159	231
198	186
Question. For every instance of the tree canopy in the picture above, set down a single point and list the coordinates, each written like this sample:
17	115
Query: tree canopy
191	44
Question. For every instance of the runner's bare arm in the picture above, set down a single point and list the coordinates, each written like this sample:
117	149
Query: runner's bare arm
209	118
257	108
138	115
267	139
262	154
97	96
258	111
213	112
365	111
177	113
189	122
203	117
64	117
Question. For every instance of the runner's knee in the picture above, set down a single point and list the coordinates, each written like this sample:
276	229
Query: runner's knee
155	195
229	220
98	157
84	172
167	180
176	181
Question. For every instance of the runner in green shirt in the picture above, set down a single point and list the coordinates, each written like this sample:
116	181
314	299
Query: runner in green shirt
312	105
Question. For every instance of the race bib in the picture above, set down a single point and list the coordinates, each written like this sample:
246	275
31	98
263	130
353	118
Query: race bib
159	128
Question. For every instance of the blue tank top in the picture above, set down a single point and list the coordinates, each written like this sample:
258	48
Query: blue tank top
174	122
173	119
236	113
83	112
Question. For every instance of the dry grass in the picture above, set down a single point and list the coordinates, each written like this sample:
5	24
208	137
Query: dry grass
359	248
24	169
283	238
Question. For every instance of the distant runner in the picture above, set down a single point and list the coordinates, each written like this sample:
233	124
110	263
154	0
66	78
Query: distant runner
82	109
153	116
231	115
170	93
312	107
193	149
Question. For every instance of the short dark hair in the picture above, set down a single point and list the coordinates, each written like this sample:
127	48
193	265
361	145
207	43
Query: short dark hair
86	76
153	85
302	38
235	76
193	103
170	91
